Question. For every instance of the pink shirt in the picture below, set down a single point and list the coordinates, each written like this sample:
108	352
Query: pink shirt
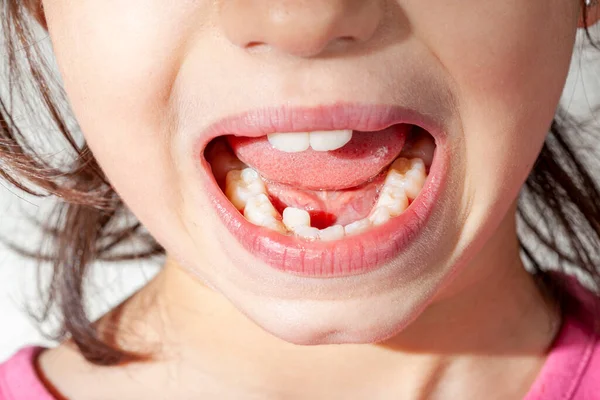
571	372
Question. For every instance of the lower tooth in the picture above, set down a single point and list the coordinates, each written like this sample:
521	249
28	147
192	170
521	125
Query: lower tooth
379	216
246	190
357	227
413	187
307	232
416	177
394	201
261	212
401	165
249	175
275	225
295	217
335	232
240	186
408	174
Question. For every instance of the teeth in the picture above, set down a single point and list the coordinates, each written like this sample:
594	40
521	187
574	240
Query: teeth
246	190
335	232
298	221
294	218
357	227
240	186
408	174
261	212
404	181
329	140
290	142
319	140
307	232
379	216
393	199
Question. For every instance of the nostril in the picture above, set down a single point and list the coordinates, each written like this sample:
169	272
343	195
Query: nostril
251	45
344	41
341	43
302	29
256	47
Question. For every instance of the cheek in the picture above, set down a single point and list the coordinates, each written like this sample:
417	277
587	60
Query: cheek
118	61
509	70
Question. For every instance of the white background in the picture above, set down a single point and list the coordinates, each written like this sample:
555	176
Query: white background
115	282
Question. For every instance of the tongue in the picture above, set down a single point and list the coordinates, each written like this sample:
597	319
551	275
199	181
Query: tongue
328	208
363	158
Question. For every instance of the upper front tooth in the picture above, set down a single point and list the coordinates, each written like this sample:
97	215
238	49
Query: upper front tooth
290	142
329	140
319	140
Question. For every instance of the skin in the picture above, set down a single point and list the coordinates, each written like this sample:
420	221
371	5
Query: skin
145	76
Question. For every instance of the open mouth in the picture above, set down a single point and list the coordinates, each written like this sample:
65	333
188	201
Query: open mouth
324	202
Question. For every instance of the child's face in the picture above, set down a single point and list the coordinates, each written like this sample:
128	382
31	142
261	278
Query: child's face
147	78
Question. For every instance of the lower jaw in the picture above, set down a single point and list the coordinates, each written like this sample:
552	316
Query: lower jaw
352	255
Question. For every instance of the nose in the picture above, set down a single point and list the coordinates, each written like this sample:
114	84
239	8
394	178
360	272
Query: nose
302	28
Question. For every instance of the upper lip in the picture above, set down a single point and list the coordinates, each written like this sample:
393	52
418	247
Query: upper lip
358	117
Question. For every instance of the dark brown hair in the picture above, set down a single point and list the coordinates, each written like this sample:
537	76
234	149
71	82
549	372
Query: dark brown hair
559	200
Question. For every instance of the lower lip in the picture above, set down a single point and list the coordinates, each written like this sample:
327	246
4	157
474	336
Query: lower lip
352	255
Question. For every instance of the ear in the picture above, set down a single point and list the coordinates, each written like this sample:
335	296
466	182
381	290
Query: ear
36	10
592	16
